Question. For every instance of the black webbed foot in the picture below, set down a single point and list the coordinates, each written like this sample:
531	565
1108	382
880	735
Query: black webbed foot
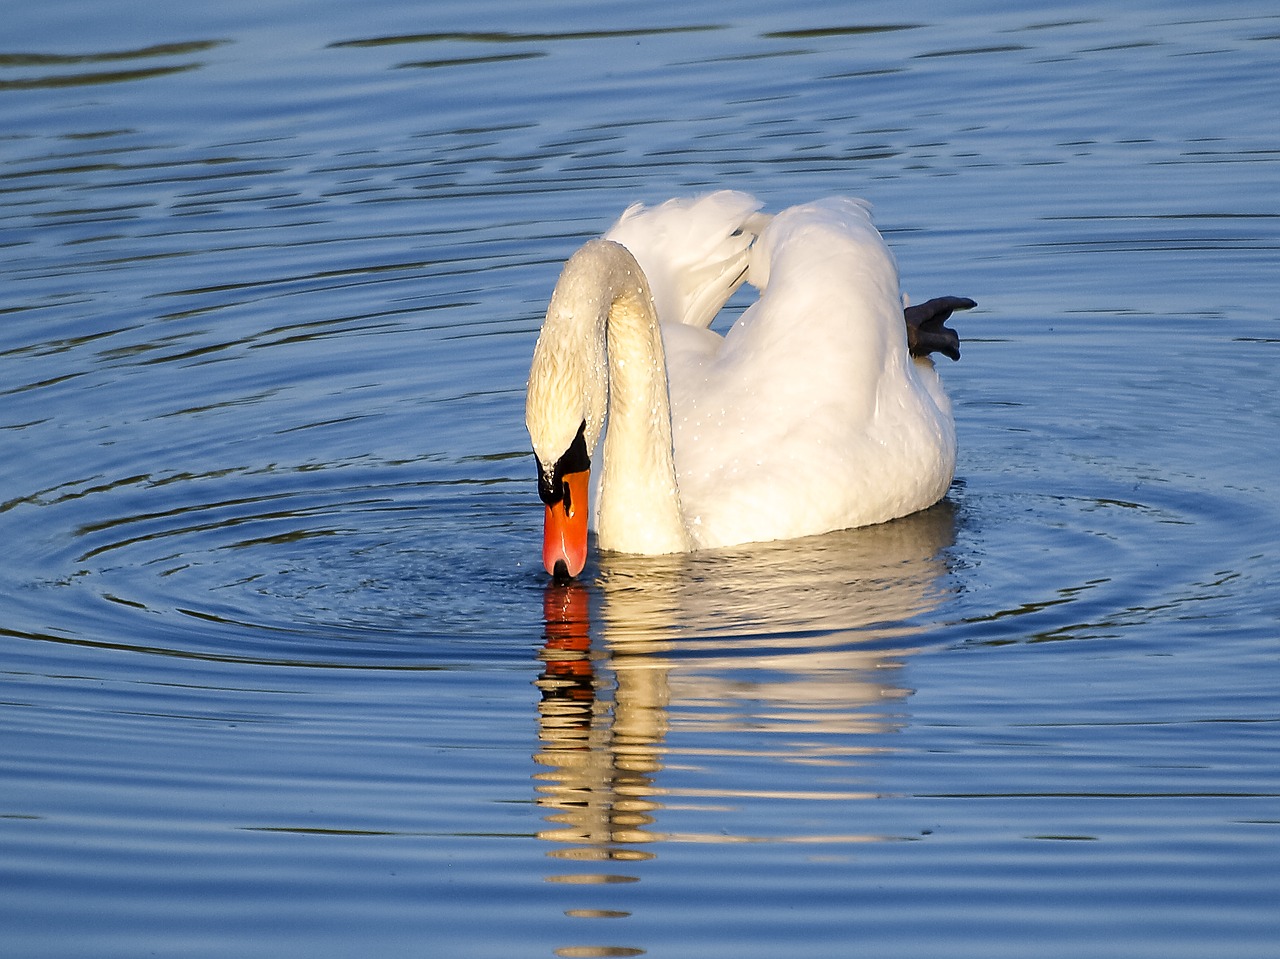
925	330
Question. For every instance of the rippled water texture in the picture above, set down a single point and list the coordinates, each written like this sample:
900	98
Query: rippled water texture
280	672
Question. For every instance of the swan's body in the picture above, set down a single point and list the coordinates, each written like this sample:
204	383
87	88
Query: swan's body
809	415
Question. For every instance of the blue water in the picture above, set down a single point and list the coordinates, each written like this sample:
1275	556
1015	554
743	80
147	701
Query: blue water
280	671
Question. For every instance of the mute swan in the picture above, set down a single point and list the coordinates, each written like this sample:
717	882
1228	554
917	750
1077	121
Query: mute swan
819	409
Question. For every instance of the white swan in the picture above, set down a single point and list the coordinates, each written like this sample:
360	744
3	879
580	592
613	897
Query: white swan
818	410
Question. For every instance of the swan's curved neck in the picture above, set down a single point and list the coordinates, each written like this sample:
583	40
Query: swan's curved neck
604	302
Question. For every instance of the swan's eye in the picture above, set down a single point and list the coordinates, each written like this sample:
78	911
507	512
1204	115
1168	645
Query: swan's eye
553	484
548	487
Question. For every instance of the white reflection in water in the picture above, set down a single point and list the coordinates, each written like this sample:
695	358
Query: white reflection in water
797	643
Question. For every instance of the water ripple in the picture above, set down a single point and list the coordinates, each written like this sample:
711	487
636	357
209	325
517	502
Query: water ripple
59	62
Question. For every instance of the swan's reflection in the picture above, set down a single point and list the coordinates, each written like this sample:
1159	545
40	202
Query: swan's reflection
601	749
784	653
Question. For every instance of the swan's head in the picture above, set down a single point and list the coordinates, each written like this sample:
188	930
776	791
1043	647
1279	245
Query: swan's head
562	445
563	487
565	410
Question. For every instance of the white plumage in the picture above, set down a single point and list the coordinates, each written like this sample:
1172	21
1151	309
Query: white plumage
808	415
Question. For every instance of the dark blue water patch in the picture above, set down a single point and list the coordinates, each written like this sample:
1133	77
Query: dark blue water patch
175	817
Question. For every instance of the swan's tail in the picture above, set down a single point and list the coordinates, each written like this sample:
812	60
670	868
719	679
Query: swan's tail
694	252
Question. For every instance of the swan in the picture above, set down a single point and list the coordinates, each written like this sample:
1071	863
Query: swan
819	409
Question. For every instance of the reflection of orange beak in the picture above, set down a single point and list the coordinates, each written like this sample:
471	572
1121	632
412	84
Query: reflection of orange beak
564	538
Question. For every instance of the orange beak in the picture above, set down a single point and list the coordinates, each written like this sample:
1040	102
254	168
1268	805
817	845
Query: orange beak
564	538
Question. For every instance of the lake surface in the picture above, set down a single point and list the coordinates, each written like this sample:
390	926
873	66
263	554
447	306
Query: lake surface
280	672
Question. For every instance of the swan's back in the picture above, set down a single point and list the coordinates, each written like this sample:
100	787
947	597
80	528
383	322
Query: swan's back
812	415
694	252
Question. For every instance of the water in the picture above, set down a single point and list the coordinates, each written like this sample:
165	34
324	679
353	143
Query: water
281	673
